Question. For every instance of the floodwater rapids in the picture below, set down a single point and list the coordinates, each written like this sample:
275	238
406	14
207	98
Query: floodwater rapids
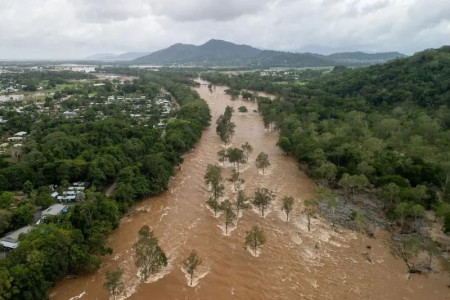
294	263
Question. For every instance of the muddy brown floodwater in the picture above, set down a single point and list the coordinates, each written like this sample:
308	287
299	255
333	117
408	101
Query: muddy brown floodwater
293	264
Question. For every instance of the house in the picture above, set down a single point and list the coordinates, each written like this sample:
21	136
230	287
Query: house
11	240
53	210
69	114
21	134
15	139
66	198
77	188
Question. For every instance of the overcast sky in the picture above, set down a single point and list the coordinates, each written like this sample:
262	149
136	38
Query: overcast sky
62	29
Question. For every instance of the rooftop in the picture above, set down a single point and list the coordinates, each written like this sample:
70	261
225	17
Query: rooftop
53	210
13	237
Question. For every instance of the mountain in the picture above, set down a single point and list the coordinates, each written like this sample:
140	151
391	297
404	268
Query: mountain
102	56
212	52
132	55
222	53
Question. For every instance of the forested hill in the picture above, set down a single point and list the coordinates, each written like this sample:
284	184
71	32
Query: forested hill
384	129
422	79
212	52
222	53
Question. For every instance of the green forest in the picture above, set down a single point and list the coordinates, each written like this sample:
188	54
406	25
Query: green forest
113	149
384	130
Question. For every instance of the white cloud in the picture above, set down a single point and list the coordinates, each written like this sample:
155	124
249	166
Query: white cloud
78	28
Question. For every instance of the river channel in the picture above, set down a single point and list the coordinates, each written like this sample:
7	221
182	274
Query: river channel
294	263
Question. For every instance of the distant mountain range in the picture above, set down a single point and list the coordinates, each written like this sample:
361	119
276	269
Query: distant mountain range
114	56
222	53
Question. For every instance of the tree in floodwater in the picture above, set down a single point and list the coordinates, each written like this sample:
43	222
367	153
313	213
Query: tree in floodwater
114	284
408	251
236	180
242	202
236	156
191	263
243	109
432	248
310	210
214	205
248	149
230	215
150	258
225	128
255	238
233	93
325	194
287	206
359	223
262	161
213	178
262	199
222	154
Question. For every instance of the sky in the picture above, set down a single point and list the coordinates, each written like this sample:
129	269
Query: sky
69	29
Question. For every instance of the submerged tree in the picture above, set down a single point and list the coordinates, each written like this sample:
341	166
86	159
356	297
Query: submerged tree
408	251
114	284
236	180
248	149
230	215
359	223
287	206
236	156
262	199
325	194
262	161
310	210
191	263
222	154
255	238
242	202
150	258
214	205
225	128
213	177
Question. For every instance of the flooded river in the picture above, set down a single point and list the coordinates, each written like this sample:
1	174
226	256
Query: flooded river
293	264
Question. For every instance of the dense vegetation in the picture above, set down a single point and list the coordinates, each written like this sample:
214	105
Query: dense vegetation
115	148
386	126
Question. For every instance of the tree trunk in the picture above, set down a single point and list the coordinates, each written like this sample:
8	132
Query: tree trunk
309	223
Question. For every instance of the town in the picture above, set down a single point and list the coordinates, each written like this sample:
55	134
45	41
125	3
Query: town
73	95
